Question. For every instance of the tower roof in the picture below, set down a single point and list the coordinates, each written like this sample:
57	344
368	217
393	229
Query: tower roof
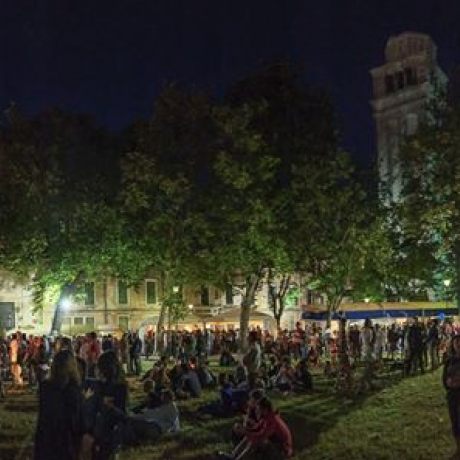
408	44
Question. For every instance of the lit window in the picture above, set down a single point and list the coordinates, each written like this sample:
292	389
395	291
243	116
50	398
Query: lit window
89	294
122	293
151	292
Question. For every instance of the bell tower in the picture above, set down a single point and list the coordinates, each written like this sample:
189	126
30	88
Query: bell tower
402	87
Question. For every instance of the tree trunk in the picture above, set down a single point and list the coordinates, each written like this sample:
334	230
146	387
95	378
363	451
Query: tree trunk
106	305
244	323
57	316
159	341
457	276
329	315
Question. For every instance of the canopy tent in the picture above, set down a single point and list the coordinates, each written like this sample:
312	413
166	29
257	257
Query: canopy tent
231	317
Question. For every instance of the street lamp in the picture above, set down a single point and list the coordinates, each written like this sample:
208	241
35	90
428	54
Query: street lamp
65	305
446	284
190	307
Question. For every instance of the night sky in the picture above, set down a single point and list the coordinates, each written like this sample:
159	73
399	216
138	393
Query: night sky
110	58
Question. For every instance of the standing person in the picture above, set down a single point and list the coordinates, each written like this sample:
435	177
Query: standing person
451	381
251	359
378	342
415	343
432	342
367	340
135	354
60	423
16	370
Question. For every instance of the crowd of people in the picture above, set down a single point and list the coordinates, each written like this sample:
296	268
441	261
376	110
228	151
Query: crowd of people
83	387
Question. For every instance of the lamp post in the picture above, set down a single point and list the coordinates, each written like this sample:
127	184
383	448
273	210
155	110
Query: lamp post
446	284
65	305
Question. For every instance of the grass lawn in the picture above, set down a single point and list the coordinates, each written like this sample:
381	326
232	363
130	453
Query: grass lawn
406	420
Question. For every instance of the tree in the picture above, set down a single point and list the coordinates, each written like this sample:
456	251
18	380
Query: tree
50	199
429	211
331	226
164	179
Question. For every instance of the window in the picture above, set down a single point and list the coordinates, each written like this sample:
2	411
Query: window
151	292
89	294
389	84
78	321
204	295
123	323
411	76
229	294
89	321
216	294
122	293
400	80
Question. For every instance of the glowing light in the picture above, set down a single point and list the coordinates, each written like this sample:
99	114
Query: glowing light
66	304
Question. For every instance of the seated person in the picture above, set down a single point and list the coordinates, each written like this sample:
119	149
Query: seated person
250	418
207	379
191	386
104	408
269	433
151	423
152	399
175	376
226	359
303	379
224	406
240	377
286	377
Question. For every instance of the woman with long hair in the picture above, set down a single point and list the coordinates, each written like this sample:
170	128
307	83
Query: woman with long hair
60	424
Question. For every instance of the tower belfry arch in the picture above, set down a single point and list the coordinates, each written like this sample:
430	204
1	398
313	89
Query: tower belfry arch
402	87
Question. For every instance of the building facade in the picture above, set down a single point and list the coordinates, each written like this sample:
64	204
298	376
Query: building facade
402	87
114	306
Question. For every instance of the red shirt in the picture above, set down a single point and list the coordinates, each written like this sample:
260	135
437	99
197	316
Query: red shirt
272	427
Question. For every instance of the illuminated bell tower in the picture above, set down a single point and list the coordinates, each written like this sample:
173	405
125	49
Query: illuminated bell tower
402	87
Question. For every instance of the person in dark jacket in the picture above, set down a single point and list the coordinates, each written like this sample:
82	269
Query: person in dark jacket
451	381
416	345
59	430
105	408
135	354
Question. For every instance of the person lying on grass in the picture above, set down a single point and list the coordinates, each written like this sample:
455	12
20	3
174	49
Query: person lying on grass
151	423
269	434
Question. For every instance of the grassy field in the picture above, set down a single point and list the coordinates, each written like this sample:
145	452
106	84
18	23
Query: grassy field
405	419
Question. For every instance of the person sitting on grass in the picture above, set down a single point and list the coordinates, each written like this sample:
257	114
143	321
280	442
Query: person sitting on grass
151	423
303	380
270	435
224	406
240	377
250	417
206	377
286	377
226	359
190	384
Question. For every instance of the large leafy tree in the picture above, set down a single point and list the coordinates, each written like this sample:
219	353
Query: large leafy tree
164	180
429	211
54	203
331	228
